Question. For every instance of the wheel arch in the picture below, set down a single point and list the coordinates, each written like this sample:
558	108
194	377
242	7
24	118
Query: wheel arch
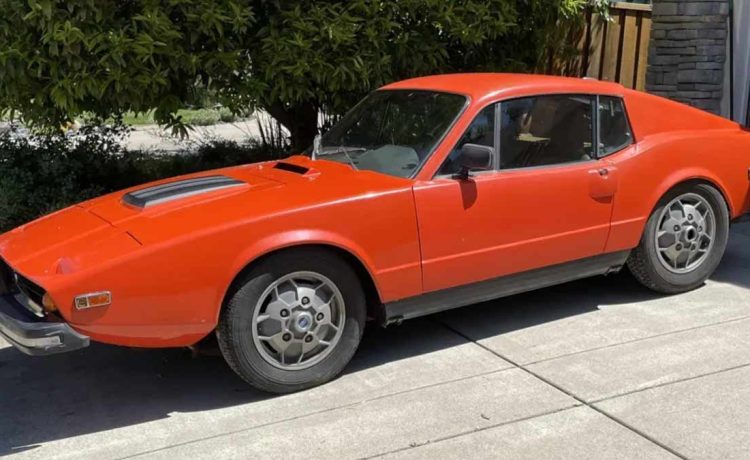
694	177
350	256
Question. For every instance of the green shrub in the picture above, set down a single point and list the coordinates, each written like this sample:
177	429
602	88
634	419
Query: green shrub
195	117
226	115
200	117
40	174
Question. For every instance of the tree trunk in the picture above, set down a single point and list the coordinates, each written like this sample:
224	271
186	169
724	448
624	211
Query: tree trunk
301	120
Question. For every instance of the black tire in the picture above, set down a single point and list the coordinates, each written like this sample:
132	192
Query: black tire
644	261
234	331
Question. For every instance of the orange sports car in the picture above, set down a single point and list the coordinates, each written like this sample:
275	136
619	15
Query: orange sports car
430	194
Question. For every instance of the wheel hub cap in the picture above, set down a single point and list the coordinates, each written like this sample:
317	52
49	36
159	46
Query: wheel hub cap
686	232
303	322
298	320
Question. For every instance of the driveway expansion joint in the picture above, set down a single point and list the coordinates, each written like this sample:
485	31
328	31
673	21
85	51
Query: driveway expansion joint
314	413
581	401
640	339
477	430
673	382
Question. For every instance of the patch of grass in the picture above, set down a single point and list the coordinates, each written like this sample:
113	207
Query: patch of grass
195	117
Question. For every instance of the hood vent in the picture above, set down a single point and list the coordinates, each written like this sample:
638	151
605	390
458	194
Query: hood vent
291	168
176	190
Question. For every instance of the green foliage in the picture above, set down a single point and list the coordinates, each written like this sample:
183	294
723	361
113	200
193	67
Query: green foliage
291	58
62	58
41	174
326	51
194	117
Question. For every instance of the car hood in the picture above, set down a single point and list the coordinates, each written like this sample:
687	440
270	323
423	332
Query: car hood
114	225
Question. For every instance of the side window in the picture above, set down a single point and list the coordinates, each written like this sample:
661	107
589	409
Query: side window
546	130
481	132
614	130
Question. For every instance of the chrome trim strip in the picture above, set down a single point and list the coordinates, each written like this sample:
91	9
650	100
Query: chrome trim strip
29	304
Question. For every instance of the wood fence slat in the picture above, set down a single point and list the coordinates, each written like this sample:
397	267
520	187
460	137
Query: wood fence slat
611	47
595	48
585	45
627	60
645	31
615	50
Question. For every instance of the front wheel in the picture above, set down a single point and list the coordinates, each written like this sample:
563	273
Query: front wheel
294	321
684	240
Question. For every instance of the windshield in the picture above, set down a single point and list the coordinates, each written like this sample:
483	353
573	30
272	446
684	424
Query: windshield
392	132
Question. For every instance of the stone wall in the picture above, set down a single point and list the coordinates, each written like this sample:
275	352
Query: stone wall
687	52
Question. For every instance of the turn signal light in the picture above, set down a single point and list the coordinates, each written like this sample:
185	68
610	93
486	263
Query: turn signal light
93	300
48	304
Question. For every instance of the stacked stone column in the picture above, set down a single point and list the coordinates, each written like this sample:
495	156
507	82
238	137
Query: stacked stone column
688	52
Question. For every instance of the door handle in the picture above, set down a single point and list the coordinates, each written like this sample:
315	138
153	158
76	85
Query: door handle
603	182
602	172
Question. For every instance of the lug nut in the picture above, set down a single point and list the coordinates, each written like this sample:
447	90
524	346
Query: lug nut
676	228
287	337
678	247
319	316
700	229
284	313
308	339
690	217
305	300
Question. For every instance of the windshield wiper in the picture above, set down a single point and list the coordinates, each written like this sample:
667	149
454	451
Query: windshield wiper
316	146
345	150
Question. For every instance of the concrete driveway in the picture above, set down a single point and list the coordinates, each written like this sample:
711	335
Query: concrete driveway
600	368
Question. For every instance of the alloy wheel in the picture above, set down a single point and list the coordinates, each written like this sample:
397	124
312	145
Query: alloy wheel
685	234
298	320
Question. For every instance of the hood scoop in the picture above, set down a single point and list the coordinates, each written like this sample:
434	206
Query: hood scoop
291	167
172	191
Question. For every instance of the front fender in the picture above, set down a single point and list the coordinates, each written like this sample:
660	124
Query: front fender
301	237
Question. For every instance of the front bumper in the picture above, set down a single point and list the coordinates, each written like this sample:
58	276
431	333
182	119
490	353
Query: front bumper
35	336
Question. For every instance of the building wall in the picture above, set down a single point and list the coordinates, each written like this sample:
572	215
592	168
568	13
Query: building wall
687	52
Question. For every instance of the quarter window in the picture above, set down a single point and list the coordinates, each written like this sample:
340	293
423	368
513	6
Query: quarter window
546	130
481	132
614	130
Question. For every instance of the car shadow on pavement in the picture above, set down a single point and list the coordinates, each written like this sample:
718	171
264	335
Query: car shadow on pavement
735	265
105	387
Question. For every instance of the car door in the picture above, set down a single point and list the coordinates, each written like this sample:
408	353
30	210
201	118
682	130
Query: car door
548	200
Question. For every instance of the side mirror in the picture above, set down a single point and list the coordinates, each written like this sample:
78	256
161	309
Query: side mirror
474	157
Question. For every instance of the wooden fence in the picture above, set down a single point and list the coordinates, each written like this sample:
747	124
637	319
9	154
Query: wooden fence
615	50
618	50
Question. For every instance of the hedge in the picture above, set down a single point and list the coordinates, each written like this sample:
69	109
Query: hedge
41	174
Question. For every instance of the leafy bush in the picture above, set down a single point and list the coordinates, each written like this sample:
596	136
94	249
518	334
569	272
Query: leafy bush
226	115
40	174
201	117
195	117
60	59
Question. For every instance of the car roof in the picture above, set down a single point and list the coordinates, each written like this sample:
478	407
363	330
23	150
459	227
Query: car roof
481	85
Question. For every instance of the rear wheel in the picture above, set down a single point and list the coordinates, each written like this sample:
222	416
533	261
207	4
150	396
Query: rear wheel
684	240
294	321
